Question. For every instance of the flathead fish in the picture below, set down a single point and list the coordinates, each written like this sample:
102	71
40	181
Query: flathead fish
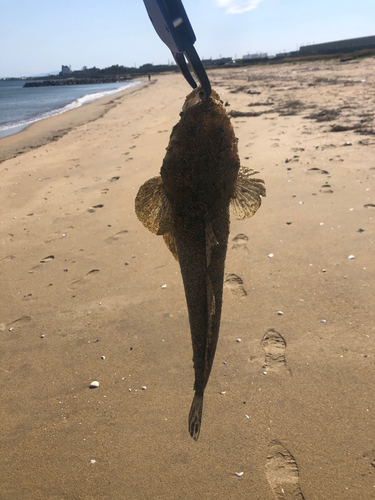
188	204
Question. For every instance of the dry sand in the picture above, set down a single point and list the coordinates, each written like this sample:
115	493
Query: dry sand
81	279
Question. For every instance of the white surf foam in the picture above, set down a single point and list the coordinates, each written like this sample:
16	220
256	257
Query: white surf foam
15	127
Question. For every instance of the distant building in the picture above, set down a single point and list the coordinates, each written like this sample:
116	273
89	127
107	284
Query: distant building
366	42
65	70
259	55
216	62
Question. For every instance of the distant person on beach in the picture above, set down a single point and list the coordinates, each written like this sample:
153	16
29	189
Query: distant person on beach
149	77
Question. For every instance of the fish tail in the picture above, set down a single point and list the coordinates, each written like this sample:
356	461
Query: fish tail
195	416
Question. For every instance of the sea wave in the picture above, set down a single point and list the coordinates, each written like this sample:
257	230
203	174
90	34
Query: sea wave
22	124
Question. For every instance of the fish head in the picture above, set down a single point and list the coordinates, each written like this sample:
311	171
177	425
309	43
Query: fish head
198	95
202	163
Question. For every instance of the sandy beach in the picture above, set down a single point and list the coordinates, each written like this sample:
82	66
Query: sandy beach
83	298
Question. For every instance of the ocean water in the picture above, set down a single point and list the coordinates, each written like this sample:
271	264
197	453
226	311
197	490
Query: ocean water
20	107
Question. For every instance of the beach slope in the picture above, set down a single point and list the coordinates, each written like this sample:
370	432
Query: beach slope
87	294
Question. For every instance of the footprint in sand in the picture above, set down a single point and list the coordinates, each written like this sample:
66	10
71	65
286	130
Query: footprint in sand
336	158
20	321
240	243
274	346
7	258
93	209
58	235
282	473
318	170
85	280
115	178
326	188
47	259
9	237
369	205
298	150
81	190
116	237
235	284
43	261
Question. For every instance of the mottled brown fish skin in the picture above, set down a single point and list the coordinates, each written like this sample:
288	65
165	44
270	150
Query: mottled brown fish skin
199	173
201	166
189	205
197	278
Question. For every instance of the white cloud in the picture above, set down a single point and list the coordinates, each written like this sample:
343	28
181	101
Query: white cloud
238	6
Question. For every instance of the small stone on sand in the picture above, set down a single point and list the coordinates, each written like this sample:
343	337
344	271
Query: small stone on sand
94	384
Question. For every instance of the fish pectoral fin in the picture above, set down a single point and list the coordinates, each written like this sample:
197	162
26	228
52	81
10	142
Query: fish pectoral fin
170	241
153	208
248	194
195	416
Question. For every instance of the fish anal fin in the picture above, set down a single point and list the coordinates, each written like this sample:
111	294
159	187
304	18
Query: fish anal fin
195	416
210	299
248	194
153	208
169	240
210	241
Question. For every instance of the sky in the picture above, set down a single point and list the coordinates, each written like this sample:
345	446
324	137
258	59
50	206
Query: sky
41	35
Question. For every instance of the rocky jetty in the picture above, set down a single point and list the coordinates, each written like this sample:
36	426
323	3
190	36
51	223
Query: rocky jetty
77	81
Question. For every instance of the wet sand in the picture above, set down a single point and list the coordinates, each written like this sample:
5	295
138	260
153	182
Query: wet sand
291	405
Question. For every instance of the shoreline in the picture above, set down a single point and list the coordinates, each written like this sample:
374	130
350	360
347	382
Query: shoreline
54	127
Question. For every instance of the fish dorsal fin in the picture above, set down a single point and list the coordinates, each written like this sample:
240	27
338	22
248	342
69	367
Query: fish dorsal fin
210	241
170	241
153	208
247	196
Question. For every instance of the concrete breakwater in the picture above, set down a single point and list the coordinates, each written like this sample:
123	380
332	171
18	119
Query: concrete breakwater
77	81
